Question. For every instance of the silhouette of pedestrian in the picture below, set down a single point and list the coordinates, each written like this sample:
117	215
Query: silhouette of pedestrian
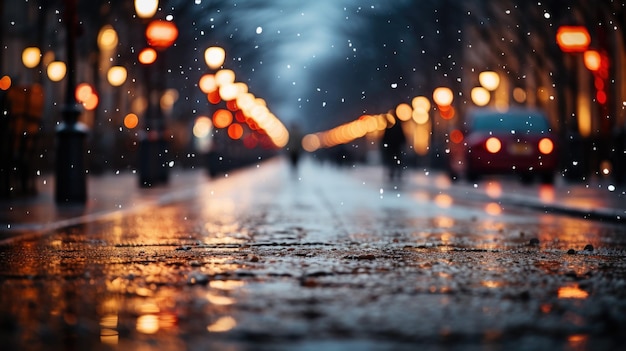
392	145
294	146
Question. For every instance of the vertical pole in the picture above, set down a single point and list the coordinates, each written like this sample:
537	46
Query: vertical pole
70	181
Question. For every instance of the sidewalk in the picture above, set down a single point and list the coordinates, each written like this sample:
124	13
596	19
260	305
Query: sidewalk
109	195
598	199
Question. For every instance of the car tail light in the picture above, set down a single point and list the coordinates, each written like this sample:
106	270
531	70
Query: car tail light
456	136
493	145
546	146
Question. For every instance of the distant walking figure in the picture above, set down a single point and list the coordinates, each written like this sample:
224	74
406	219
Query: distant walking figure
294	146
392	146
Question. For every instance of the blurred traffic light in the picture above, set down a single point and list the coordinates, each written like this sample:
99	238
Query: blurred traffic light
598	63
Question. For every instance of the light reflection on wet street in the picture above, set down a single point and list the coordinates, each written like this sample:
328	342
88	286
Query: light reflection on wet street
337	258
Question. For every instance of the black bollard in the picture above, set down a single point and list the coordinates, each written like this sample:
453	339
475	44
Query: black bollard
153	164
71	180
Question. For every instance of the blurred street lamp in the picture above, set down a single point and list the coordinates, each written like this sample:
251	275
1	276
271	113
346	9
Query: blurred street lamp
56	71
214	57
404	111
146	8
147	56
224	77
116	76
573	38
480	96
421	104
489	80
207	83
107	38
31	57
161	34
443	96
592	60
421	109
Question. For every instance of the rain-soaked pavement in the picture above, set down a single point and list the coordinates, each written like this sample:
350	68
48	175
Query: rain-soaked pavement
332	259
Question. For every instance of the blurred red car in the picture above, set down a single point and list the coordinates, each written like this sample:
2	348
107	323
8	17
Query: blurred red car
517	141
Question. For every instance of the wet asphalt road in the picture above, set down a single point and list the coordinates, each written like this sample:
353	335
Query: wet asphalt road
333	259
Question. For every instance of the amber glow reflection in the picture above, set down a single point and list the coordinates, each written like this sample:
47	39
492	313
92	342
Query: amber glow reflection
226	284
578	341
572	292
109	336
148	324
546	193
219	300
491	284
148	307
109	321
494	190
444	222
443	200
493	209
223	324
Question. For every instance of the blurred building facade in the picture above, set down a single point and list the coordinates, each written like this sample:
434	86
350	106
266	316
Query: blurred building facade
453	41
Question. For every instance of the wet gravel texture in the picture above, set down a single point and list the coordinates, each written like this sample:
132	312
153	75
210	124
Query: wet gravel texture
282	263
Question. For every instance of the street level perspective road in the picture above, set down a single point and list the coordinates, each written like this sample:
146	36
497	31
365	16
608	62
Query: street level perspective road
318	258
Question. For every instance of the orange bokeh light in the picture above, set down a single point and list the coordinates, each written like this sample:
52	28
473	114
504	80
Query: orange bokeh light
546	146
161	34
240	116
573	38
235	131
92	102
572	292
456	136
214	97
601	97
232	105
493	145
592	60
404	112
5	83
131	121
207	83
83	92
222	118
147	56
447	112
87	96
